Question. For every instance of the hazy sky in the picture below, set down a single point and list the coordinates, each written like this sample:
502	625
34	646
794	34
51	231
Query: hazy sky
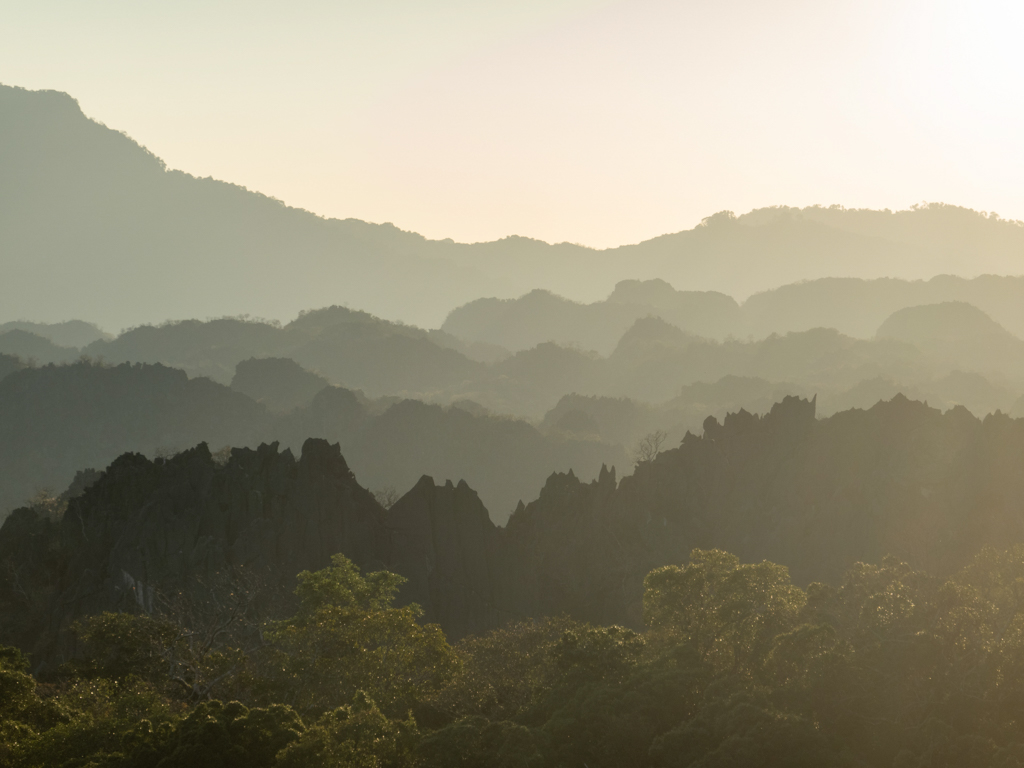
593	122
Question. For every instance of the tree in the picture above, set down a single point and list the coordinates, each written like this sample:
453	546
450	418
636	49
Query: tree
183	651
649	446
729	613
743	728
475	742
116	646
216	735
502	672
593	653
107	723
22	712
347	637
354	736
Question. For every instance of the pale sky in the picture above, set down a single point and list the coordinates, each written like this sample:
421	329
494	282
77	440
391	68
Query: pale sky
567	120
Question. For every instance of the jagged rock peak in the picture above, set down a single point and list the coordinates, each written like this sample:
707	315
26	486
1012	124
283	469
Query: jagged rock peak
606	477
793	411
443	541
789	414
712	429
559	483
741	421
323	455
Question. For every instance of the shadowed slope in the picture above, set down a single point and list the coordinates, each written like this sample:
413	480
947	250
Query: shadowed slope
56	420
191	529
814	495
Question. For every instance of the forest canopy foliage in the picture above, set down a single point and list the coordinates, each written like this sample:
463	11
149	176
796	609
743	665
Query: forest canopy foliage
736	666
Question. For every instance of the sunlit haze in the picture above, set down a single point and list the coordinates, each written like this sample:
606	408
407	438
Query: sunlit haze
594	122
511	383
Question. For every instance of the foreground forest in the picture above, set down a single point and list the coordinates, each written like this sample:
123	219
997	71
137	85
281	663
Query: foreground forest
735	666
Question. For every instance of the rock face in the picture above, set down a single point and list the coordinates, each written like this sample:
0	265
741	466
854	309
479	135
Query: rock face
163	525
147	530
814	495
585	548
457	563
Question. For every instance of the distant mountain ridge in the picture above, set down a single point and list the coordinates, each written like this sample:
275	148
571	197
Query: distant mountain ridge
957	355
94	225
70	333
58	419
853	306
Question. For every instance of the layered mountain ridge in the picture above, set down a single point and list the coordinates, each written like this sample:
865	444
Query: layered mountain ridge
854	307
87	214
56	420
403	401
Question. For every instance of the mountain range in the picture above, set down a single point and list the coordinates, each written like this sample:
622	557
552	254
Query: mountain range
96	226
402	401
853	306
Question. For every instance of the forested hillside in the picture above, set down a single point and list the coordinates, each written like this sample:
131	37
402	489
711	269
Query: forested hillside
390	385
952	354
854	307
84	211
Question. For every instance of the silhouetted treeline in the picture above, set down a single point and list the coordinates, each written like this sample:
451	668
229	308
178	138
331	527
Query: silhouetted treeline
349	347
9	364
591	409
31	347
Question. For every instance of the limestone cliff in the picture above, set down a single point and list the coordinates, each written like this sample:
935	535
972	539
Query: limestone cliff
815	495
443	541
149	531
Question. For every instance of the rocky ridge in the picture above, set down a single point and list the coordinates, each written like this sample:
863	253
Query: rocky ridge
148	532
816	495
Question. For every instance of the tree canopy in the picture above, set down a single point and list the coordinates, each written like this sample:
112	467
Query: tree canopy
736	666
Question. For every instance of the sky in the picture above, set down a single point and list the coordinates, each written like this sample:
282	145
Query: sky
600	123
